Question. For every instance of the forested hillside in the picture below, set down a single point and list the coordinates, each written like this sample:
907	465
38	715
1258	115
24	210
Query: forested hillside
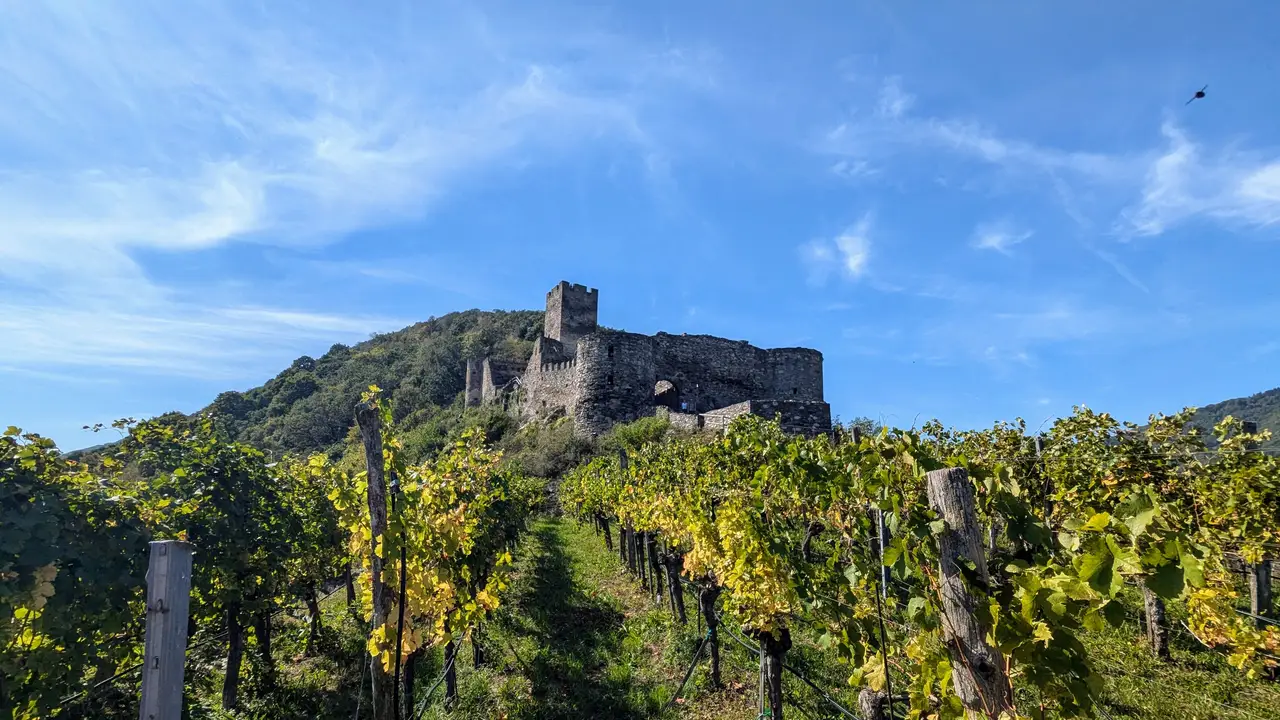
421	369
1262	408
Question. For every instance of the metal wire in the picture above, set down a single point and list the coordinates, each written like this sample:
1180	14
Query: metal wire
689	673
423	706
747	646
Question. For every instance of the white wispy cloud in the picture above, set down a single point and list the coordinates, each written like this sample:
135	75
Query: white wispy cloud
846	254
1139	192
999	235
1184	182
182	127
890	129
894	101
208	343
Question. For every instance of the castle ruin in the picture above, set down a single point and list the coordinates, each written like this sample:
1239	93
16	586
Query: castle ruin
602	377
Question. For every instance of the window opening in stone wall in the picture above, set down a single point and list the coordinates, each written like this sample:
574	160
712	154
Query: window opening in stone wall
610	380
610	351
793	391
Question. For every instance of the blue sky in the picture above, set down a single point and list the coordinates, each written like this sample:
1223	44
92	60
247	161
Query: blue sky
977	212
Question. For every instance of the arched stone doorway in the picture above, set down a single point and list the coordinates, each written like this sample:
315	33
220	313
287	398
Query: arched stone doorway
667	395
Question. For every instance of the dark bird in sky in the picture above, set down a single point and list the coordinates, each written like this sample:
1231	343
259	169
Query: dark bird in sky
1199	94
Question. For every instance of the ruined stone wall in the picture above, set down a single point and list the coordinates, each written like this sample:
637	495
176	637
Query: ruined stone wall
605	377
794	374
546	351
551	387
474	383
497	375
615	380
571	313
688	422
799	417
711	372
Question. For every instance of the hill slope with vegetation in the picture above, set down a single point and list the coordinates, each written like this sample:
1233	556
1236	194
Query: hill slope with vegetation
421	369
1262	408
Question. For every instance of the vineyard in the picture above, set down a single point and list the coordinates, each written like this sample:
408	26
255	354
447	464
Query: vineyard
871	573
955	572
267	536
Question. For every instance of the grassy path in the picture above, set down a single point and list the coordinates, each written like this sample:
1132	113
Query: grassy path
575	638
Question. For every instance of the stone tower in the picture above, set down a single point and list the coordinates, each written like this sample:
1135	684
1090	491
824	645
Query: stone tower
571	313
475	382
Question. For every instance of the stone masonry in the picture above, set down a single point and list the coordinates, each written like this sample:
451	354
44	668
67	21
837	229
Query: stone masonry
603	377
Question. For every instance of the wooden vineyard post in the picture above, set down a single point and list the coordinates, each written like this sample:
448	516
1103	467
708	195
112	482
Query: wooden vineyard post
1260	593
370	422
1156	623
977	668
168	602
1260	573
707	595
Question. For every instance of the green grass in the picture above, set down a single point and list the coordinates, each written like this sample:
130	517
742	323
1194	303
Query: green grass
575	639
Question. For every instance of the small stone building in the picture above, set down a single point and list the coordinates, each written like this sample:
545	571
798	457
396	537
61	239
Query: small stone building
603	377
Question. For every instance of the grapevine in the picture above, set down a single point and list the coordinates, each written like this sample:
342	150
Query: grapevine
781	526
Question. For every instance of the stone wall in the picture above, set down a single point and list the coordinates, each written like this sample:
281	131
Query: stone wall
616	380
794	374
720	418
550	389
474	383
689	422
497	375
799	417
710	372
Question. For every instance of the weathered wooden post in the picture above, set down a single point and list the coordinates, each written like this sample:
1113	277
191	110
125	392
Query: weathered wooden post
1156	624
622	542
977	668
1260	603
168	602
370	422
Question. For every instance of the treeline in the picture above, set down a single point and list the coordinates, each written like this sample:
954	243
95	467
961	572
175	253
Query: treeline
955	572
